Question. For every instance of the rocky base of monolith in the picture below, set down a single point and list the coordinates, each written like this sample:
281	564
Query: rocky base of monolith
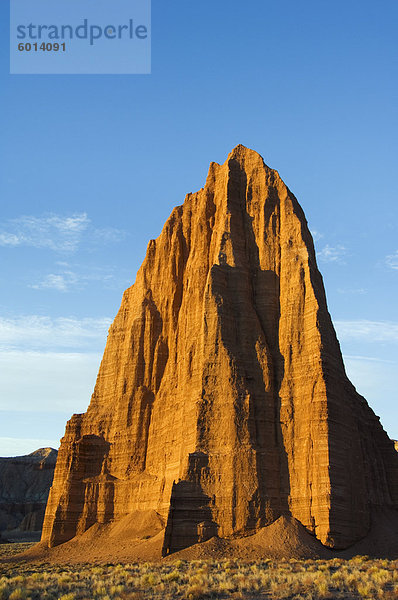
142	537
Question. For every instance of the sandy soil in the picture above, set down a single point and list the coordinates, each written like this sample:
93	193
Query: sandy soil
128	541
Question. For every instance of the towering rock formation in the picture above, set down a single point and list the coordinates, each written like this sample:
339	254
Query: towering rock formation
222	401
25	482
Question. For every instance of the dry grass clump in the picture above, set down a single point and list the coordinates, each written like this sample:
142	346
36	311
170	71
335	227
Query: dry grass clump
12	549
358	578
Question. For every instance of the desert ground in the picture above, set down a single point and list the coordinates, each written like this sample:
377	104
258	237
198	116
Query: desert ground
359	577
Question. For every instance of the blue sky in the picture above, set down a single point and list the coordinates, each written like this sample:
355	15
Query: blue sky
91	167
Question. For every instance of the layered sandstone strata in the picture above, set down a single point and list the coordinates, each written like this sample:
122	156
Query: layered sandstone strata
222	401
25	482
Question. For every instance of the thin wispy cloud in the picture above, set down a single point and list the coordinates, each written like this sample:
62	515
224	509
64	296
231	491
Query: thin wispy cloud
61	282
392	260
57	381
58	233
370	331
55	362
377	381
371	359
37	333
352	291
54	232
332	254
77	277
108	235
316	235
9	239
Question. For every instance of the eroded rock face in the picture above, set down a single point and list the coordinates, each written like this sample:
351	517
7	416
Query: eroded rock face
222	401
25	482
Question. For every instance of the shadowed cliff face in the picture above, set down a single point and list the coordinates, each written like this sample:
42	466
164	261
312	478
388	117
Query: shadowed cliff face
222	401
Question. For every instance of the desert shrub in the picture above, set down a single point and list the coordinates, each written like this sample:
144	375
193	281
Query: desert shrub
3	591
149	580
173	576
64	578
18	594
197	592
115	590
336	579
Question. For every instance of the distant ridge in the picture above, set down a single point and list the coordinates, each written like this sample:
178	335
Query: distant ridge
24	486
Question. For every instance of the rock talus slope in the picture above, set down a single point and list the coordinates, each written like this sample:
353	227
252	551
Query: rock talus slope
222	402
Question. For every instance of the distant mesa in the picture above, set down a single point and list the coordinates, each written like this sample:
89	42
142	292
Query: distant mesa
25	482
222	418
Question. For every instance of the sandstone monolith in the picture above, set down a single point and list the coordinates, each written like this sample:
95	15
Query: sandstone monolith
222	401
